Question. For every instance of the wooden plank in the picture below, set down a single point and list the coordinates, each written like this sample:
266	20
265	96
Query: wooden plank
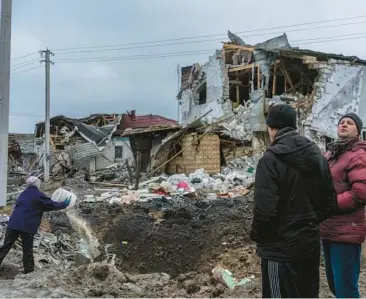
241	68
287	76
238	47
274	79
245	67
235	82
258	78
285	84
237	91
296	55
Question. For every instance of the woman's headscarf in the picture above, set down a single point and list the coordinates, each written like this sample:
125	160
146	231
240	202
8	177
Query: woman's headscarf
33	181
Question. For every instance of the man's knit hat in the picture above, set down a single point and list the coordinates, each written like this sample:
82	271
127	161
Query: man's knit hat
281	116
356	119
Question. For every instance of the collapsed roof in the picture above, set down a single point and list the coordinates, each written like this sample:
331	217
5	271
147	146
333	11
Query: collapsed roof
97	129
265	54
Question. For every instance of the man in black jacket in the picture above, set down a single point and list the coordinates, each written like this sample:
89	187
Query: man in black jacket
294	192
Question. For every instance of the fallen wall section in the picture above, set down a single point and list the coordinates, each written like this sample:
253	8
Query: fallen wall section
204	153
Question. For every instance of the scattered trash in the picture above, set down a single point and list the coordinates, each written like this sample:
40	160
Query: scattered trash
226	277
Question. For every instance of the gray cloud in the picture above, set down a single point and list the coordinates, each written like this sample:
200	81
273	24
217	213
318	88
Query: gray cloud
147	85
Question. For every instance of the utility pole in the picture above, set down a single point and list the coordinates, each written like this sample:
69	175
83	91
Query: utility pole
178	89
47	156
5	42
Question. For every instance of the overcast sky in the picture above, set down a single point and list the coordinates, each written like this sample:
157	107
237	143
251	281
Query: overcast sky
148	85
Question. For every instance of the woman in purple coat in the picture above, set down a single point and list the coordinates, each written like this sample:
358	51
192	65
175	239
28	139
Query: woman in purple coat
26	219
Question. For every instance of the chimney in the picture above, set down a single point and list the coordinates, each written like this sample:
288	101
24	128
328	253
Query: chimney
133	114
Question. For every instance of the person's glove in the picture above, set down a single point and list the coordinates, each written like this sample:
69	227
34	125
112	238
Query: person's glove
67	201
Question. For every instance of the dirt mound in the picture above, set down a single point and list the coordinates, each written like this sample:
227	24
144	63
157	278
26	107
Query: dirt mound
102	280
171	236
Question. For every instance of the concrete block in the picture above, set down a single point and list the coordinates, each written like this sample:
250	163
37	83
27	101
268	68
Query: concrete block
326	71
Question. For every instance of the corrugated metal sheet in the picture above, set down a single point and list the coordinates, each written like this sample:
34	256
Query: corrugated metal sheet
109	153
82	151
81	154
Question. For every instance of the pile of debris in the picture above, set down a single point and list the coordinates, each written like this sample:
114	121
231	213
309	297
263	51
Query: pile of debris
199	185
50	250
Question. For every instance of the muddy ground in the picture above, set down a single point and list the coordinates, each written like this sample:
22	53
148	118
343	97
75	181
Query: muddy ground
164	248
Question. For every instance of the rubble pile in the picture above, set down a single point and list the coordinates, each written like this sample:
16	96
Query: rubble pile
171	246
238	127
49	248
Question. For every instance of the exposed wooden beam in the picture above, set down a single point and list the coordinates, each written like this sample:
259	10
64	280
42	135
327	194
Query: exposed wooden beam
237	91
274	80
240	68
235	82
245	67
287	76
238	47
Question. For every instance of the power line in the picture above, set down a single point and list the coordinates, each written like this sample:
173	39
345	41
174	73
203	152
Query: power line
202	41
188	53
24	71
212	35
37	116
139	56
331	40
26	63
24	56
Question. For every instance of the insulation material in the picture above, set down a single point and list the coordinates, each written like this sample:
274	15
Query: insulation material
204	153
257	119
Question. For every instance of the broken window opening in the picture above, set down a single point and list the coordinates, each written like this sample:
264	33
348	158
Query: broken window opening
239	88
290	75
177	148
118	152
364	135
202	94
60	147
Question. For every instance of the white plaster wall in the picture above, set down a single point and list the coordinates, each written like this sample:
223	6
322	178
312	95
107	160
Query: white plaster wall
339	92
215	76
362	108
127	153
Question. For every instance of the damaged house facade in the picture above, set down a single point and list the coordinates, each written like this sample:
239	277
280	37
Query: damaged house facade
244	81
21	151
100	141
82	143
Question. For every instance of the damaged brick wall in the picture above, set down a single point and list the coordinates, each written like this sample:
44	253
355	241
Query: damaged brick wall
203	153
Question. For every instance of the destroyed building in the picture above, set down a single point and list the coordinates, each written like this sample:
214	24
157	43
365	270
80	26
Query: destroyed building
98	141
244	81
21	150
84	143
145	133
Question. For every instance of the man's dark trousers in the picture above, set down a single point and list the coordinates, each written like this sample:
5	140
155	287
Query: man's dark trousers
295	279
